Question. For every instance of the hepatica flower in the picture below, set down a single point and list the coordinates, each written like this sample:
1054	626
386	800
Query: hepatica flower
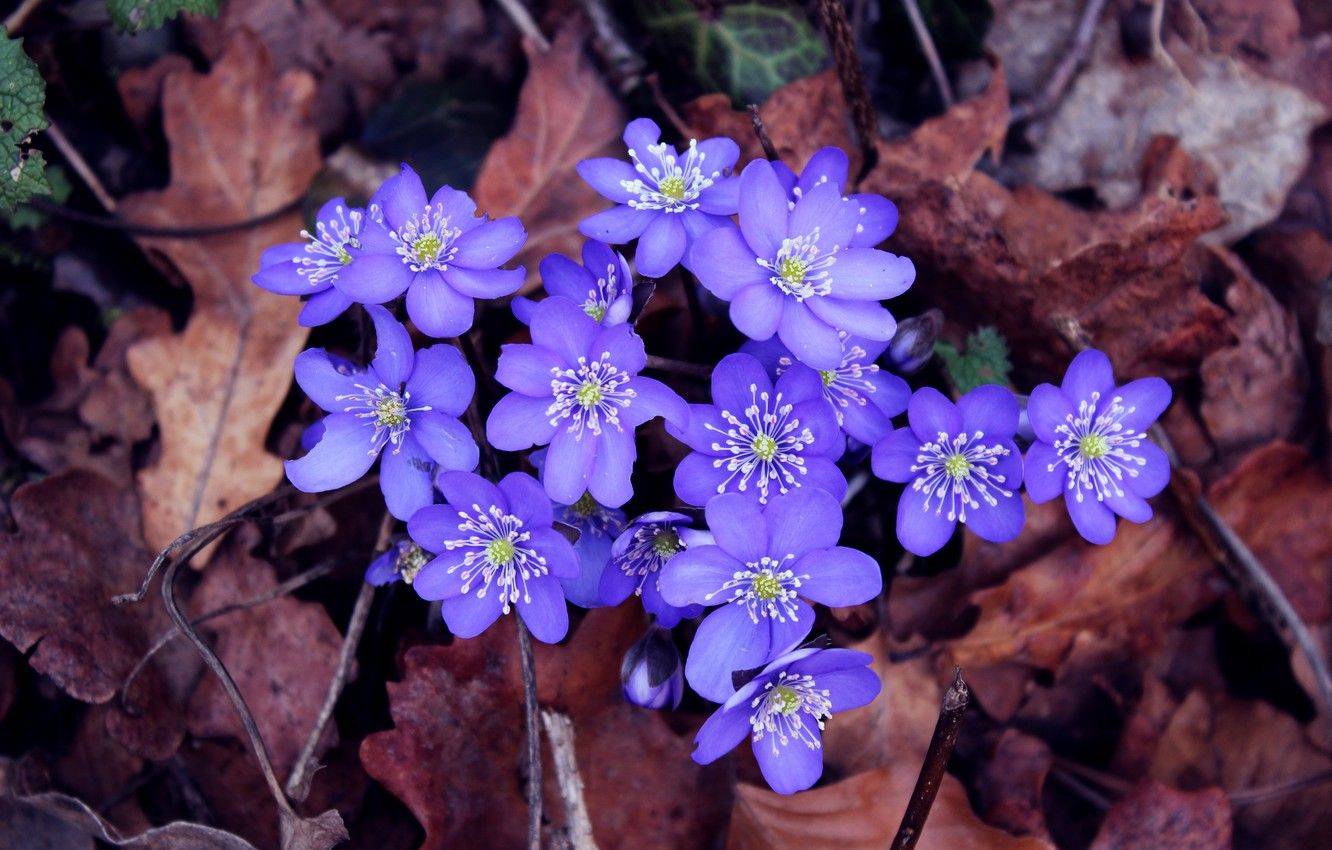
666	199
1091	446
759	439
405	407
961	465
313	267
651	672
638	556
878	215
602	285
783	711
436	251
598	526
400	562
765	564
497	551
791	270
577	388
861	394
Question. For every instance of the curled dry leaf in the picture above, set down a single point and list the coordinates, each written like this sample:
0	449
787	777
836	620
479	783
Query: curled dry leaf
241	146
565	114
861	813
65	822
1156	817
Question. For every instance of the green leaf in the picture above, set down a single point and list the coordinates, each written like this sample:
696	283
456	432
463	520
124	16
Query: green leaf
22	94
140	15
28	217
985	361
748	51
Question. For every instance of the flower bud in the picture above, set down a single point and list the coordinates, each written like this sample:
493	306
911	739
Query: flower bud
652	674
913	345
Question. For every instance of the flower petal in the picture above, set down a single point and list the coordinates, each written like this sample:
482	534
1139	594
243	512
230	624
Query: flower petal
802	520
518	422
486	283
278	270
652	399
324	378
374	278
1047	408
757	310
469	615
1045	475
436	308
467	491
528	369
400	197
562	327
998	523
763	209
739	527
850	688
640	134
990	409
404	478
527	500
810	339
720	733
894	455
568	465
931	414
1090	372
1093	520
824	208
608	176
617	225
440	578
544	611
623	345
861	318
609	478
661	246
1149	398
793	766
726	641
921	529
878	220
839	576
441	379
698	480
827	165
323	307
871	275
447	441
340	457
490	244
737	380
725	264
1154	475
696	575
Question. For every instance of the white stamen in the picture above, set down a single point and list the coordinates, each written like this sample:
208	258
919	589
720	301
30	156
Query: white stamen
956	471
1095	447
326	253
764	447
496	555
590	396
665	183
390	410
787	709
766	588
800	268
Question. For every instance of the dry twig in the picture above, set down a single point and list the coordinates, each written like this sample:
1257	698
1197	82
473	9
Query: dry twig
955	702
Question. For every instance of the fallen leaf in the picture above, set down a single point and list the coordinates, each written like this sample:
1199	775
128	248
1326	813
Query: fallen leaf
565	114
65	820
1012	781
241	146
861	813
1156	817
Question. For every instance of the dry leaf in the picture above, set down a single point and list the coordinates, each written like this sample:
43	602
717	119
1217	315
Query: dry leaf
1155	817
241	146
1012	782
565	114
862	813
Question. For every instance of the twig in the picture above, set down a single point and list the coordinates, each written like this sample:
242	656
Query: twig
298	782
624	64
852	77
1226	547
294	583
136	229
769	150
1078	51
854	486
530	712
1250	796
946	730
80	165
679	367
15	19
522	19
1084	789
560	731
931	54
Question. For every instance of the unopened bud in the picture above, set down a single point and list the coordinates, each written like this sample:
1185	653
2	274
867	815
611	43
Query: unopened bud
652	673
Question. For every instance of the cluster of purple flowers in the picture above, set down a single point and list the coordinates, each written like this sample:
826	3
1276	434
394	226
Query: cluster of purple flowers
756	543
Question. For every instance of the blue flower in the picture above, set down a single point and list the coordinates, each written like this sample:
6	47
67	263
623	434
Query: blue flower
577	388
400	562
651	672
598	526
434	250
602	285
666	200
407	401
497	550
313	267
637	559
764	566
1091	446
757	439
863	396
783	711
962	465
878	215
790	269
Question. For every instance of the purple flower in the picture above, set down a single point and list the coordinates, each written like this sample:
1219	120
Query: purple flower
757	439
400	562
790	269
878	215
651	671
602	285
408	401
962	465
637	558
577	388
313	267
665	200
783	711
598	526
1091	445
435	251
497	549
863	396
764	566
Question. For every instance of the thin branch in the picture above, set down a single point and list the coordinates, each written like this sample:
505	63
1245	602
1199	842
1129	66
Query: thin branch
931	54
946	730
852	77
530	714
298	782
15	19
1057	83
679	367
80	165
522	19
1250	796
560	732
135	229
769	150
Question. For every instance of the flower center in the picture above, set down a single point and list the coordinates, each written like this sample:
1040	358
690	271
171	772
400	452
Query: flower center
828	376
957	473
425	241
766	588
590	396
327	251
596	311
388	410
764	448
586	505
666	543
847	384
801	269
410	561
789	709
1098	448
496	555
426	249
665	181
651	547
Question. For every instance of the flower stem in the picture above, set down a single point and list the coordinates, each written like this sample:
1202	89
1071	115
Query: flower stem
946	730
530	717
852	76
